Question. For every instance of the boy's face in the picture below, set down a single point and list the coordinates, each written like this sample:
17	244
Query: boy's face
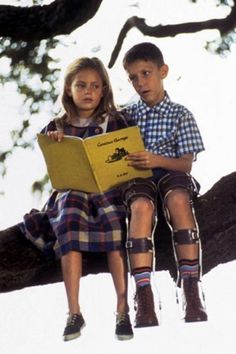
147	80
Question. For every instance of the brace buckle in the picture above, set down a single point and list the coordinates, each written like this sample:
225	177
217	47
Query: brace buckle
129	244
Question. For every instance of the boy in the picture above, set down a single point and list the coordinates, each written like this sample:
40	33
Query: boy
172	141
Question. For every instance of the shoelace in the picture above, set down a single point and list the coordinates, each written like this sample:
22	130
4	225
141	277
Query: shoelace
143	300
192	293
122	318
72	319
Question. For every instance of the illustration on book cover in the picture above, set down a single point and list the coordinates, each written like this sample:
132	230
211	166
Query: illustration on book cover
117	155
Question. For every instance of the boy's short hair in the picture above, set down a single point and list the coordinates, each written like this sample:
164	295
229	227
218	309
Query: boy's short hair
144	51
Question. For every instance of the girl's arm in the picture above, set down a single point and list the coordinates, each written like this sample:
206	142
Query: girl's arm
52	131
56	135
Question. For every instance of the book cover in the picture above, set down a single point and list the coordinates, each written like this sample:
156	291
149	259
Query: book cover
94	164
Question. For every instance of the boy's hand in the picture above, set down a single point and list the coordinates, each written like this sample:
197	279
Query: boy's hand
146	160
142	159
56	135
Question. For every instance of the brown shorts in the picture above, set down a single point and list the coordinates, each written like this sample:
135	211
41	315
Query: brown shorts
145	187
138	187
174	180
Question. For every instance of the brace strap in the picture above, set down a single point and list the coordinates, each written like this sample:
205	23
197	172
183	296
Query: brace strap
139	245
136	188
186	237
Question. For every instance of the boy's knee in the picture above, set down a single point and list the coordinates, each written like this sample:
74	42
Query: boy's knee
180	186
139	193
177	198
141	206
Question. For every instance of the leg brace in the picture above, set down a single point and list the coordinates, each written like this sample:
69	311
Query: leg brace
185	237
139	245
167	184
137	188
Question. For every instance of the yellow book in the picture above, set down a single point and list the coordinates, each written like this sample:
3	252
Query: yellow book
94	164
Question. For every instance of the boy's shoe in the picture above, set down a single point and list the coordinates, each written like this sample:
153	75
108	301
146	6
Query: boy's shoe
145	308
193	305
75	323
124	329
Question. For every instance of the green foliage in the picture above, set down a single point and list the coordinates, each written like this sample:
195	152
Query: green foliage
222	45
32	68
34	71
39	186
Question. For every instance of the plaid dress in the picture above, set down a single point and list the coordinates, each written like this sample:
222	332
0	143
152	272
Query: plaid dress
79	221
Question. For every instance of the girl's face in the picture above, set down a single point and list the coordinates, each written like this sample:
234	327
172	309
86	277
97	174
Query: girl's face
147	80
86	91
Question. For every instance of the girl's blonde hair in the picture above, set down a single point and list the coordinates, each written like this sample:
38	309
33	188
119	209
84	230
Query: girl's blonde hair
107	101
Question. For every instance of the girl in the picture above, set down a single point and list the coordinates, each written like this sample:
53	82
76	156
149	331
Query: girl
85	221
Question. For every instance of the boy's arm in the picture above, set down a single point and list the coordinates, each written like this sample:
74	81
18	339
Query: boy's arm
146	160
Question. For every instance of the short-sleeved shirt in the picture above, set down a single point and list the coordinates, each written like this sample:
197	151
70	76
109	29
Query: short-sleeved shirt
168	129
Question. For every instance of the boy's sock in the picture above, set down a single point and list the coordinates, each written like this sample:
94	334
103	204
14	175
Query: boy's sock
142	276
189	268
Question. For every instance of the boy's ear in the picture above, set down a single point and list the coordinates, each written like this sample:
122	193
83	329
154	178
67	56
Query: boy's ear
164	71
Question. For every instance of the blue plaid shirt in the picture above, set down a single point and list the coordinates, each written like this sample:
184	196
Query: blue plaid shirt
168	129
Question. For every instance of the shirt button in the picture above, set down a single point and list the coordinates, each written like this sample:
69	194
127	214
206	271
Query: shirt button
98	130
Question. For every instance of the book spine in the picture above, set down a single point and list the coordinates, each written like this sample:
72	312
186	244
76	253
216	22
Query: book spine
96	180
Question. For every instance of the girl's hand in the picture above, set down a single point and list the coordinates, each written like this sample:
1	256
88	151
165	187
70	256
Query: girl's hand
56	135
143	160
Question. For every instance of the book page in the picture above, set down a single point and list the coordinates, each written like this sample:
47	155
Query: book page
67	163
107	154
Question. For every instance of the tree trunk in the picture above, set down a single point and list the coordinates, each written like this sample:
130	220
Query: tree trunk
22	265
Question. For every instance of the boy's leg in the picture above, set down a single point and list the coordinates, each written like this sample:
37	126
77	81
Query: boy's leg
71	265
140	199
117	264
180	215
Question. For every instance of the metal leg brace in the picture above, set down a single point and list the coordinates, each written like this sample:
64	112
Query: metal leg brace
142	245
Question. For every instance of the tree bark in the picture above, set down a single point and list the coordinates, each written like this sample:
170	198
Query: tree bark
22	264
42	22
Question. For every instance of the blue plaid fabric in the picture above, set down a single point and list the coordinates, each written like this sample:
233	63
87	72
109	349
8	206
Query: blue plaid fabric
75	220
168	128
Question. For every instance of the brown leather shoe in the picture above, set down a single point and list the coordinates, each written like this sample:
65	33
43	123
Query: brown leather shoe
193	306
145	309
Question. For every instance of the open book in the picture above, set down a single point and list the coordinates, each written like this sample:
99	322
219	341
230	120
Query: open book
94	164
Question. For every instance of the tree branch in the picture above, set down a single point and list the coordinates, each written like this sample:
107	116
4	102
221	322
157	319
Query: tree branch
21	264
224	26
42	22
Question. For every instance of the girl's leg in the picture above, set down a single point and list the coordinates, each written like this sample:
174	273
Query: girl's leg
118	267
71	265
